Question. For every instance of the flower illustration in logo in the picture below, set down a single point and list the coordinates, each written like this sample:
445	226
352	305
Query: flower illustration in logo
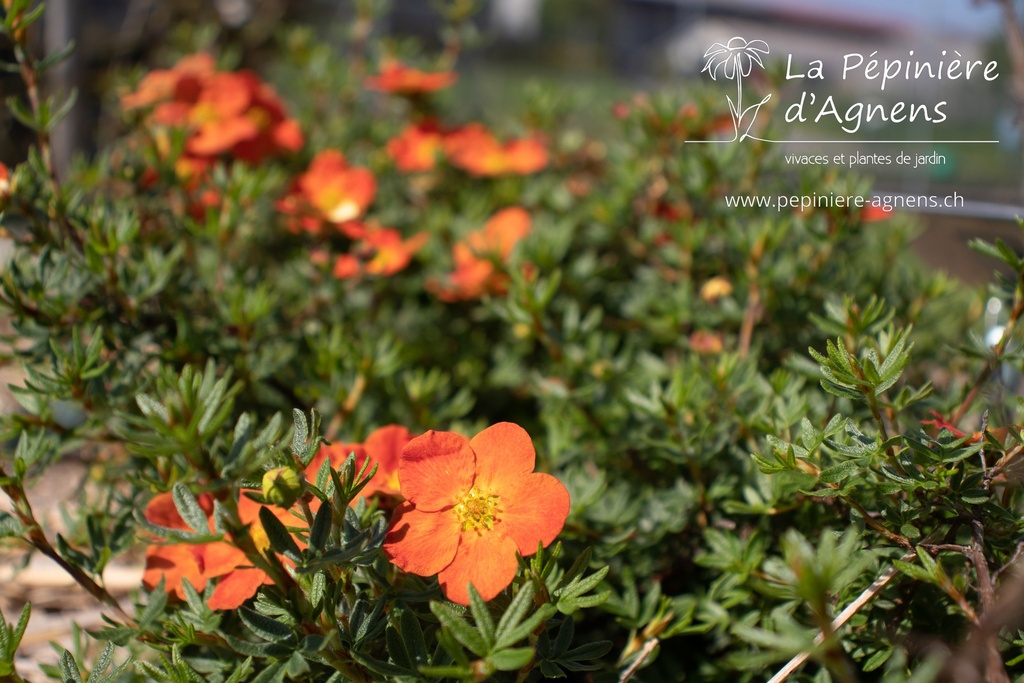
735	60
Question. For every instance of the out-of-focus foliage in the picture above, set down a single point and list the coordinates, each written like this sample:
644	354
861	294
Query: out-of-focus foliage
756	413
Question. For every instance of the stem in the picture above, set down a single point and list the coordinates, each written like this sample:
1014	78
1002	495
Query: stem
753	309
1000	348
875	524
995	672
35	536
644	653
864	598
30	76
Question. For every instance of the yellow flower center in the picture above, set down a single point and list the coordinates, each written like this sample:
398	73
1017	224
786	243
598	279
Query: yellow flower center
259	537
478	510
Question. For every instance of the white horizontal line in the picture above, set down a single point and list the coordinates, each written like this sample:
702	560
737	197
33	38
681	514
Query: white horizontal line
856	142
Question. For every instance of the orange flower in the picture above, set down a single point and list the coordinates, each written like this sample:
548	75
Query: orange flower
705	342
181	83
178	561
237	579
392	253
871	213
379	251
237	113
330	190
940	423
475	269
475	150
346	266
5	182
398	79
223	112
416	148
383	447
470	506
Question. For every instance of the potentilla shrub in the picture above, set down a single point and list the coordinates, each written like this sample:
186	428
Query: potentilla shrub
579	417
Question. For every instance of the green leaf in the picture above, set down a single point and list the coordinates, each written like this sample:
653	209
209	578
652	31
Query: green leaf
266	627
571	605
260	650
450	671
188	507
274	673
412	635
512	659
281	540
320	532
155	607
878	659
102	664
69	669
579	585
528	626
462	631
515	612
300	434
838	472
482	617
150	407
396	648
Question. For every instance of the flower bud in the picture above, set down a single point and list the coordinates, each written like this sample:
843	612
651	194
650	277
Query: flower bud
282	487
715	288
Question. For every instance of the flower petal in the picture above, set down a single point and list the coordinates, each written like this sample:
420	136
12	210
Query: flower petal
222	558
487	560
758	45
422	543
435	468
384	448
236	588
173	563
162	511
504	456
535	511
715	49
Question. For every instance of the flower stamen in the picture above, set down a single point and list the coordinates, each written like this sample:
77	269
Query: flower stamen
478	510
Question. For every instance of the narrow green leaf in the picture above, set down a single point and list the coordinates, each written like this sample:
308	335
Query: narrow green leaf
482	617
274	673
462	631
265	627
150	407
396	648
300	434
516	611
102	664
512	659
583	602
19	629
69	669
281	540
412	634
188	507
838	472
320	532
579	586
528	626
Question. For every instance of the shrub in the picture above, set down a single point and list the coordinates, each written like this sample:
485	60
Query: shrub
756	415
